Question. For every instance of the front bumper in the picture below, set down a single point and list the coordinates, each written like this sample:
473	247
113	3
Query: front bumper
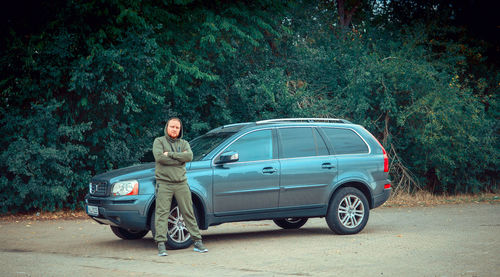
128	212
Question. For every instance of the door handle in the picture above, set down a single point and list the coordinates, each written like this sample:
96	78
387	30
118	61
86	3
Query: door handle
269	170
327	166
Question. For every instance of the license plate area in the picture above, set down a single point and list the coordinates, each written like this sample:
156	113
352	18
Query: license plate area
92	210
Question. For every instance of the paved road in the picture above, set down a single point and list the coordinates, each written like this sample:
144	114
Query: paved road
449	240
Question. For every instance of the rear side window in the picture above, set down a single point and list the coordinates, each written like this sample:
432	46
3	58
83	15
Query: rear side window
346	141
300	142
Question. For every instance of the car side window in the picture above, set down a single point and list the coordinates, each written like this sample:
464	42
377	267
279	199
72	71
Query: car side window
255	146
300	142
322	149
346	141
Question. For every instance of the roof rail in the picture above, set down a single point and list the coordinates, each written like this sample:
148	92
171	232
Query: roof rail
235	124
284	120
231	126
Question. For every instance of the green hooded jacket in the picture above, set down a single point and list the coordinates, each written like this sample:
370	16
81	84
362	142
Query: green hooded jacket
172	168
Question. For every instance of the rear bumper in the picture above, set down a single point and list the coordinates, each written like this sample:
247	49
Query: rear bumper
380	199
125	212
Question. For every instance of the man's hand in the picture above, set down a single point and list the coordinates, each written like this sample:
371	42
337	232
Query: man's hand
165	153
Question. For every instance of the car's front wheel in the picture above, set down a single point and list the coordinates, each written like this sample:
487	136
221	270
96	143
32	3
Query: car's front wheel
127	233
178	237
290	222
348	211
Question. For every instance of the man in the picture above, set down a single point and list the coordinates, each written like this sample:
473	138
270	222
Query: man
171	153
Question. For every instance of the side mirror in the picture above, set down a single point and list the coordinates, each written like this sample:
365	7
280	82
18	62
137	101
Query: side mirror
227	157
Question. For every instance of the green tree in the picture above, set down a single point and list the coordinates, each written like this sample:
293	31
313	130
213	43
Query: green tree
86	86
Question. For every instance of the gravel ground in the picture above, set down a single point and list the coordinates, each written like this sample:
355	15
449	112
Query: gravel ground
446	240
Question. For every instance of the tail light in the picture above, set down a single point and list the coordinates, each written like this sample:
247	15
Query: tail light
386	158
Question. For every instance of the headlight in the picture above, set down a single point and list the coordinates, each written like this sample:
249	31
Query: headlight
129	187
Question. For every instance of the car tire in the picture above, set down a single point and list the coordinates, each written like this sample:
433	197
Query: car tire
128	234
348	211
178	237
290	222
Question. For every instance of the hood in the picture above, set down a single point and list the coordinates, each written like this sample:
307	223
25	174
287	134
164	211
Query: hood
132	172
181	132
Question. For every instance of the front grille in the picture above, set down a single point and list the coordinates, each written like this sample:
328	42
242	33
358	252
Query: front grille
98	188
94	202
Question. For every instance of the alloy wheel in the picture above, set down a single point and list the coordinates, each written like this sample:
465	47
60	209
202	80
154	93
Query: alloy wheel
176	228
351	211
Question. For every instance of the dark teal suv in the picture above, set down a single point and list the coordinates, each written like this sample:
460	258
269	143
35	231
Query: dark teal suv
287	170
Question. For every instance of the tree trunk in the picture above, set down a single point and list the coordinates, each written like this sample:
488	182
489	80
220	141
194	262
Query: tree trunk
345	16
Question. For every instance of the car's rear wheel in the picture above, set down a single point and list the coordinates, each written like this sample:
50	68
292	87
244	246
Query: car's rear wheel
290	222
178	237
348	211
127	233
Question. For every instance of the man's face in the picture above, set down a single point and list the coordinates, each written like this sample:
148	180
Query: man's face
173	128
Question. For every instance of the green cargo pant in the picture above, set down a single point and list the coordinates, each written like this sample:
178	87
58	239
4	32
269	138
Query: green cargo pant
182	194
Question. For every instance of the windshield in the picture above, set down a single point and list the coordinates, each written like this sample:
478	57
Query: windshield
204	144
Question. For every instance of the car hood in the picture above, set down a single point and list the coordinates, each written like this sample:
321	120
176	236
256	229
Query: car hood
127	173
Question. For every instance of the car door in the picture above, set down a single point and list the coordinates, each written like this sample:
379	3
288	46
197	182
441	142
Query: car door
250	184
307	169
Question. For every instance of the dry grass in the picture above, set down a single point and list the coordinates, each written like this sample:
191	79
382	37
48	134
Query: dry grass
422	199
426	199
34	216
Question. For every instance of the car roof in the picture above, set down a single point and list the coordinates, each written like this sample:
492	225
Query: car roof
282	122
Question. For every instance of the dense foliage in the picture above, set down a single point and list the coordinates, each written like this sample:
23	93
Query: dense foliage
87	85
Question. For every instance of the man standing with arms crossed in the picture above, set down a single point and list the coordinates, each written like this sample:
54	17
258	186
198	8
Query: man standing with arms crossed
171	153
